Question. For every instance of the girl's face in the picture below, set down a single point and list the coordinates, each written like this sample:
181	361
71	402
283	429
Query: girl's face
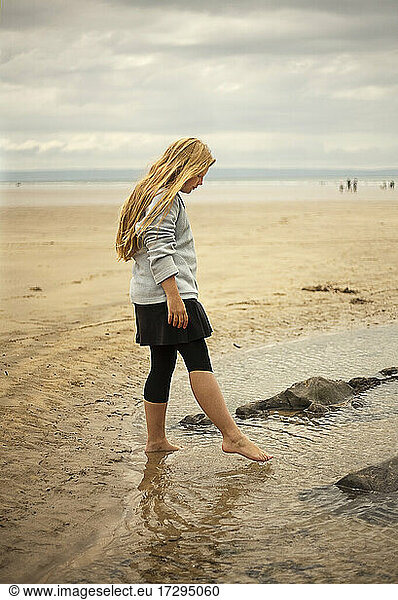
193	182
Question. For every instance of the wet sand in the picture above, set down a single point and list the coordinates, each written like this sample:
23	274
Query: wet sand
71	373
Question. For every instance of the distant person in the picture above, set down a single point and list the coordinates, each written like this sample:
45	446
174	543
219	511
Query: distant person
348	185
341	188
154	230
355	185
384	186
392	184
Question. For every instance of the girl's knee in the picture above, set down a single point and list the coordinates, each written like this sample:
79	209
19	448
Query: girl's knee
196	356
157	402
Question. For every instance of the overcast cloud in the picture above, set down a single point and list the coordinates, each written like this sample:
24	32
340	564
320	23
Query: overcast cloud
299	83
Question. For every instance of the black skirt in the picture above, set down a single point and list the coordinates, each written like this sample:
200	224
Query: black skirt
153	327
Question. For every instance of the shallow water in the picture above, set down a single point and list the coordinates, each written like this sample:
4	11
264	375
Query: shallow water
203	516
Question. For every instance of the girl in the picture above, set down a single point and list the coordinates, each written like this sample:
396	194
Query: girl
154	230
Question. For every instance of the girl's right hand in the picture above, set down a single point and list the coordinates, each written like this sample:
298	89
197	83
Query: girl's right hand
178	316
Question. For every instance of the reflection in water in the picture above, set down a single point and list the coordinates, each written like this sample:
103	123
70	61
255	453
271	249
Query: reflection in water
156	514
182	537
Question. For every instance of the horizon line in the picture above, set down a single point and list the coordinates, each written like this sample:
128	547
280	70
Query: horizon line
345	168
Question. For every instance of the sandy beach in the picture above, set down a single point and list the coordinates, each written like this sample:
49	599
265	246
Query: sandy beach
72	374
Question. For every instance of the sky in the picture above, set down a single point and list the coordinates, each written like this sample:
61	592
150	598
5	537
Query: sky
266	84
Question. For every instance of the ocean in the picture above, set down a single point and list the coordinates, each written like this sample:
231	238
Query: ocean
119	177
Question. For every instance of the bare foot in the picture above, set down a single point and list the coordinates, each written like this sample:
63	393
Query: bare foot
245	447
161	446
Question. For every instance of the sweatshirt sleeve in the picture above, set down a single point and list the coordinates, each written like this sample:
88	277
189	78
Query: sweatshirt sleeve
160	242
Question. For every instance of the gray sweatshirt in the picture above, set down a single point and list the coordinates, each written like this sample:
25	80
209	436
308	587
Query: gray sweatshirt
167	250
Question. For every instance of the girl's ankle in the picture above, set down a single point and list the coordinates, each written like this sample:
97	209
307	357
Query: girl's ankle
233	436
156	441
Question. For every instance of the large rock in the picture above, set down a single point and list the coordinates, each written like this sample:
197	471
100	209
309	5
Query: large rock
378	478
316	394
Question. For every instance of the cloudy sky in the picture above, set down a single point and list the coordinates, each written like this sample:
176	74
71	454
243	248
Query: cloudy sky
266	83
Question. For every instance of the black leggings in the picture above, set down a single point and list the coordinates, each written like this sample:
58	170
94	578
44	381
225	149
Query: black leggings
163	362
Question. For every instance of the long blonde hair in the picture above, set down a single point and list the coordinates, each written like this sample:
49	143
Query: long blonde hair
183	159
